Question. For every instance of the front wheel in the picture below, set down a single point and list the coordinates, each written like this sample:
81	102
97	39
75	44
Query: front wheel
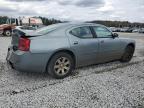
128	54
60	65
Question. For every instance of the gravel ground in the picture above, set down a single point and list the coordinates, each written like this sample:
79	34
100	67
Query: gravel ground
4	43
109	85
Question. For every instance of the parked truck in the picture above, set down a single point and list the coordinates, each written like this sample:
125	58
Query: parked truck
6	29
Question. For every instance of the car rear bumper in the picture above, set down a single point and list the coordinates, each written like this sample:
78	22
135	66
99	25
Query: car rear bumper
27	62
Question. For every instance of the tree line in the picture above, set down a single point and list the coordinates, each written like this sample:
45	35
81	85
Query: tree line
49	21
3	19
119	23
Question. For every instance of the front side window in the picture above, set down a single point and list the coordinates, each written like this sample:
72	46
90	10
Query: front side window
102	32
82	32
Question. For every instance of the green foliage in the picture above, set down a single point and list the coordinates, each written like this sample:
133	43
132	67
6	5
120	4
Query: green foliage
47	21
119	23
3	19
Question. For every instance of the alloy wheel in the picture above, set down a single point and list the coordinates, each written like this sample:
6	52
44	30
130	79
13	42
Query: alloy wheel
62	66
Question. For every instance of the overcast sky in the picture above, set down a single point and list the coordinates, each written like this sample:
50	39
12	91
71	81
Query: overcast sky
76	10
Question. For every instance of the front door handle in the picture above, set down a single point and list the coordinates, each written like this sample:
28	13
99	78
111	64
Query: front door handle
76	42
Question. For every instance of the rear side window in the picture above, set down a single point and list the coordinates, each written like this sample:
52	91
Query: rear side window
82	32
102	32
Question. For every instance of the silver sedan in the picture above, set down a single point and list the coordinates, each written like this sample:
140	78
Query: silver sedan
60	48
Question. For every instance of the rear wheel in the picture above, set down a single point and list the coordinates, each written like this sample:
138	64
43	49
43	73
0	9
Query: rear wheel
128	54
7	33
60	65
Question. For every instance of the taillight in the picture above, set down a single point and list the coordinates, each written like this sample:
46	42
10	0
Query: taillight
24	44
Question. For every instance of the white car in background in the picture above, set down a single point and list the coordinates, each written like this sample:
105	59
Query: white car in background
141	30
136	30
124	29
115	29
25	28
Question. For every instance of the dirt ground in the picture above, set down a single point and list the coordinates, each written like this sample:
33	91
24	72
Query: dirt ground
109	85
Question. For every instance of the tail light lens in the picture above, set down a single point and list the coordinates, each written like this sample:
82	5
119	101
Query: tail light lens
24	44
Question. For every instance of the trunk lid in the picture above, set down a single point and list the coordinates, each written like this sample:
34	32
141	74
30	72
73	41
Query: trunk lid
17	34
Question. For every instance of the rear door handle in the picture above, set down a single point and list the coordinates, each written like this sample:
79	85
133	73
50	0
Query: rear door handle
76	42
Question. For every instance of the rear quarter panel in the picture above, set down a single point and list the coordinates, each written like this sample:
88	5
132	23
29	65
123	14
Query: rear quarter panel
48	45
50	42
43	47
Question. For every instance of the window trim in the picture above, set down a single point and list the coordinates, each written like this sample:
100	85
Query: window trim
82	37
92	27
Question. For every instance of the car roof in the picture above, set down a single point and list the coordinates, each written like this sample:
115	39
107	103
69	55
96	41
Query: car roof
62	27
75	24
80	23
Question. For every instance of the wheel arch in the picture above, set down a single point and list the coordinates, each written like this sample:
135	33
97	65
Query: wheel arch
71	53
131	44
8	28
128	45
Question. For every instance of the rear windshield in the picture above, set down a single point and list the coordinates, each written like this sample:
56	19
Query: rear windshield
48	29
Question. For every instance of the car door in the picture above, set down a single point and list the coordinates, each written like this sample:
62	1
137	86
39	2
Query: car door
109	47
84	44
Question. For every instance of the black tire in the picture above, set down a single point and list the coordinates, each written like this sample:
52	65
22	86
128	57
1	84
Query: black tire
128	54
7	32
56	73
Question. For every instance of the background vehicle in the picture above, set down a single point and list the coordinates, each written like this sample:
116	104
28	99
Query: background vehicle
6	29
126	29
115	29
136	30
25	28
141	30
129	30
59	48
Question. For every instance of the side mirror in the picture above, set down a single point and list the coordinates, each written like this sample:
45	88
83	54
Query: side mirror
114	35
